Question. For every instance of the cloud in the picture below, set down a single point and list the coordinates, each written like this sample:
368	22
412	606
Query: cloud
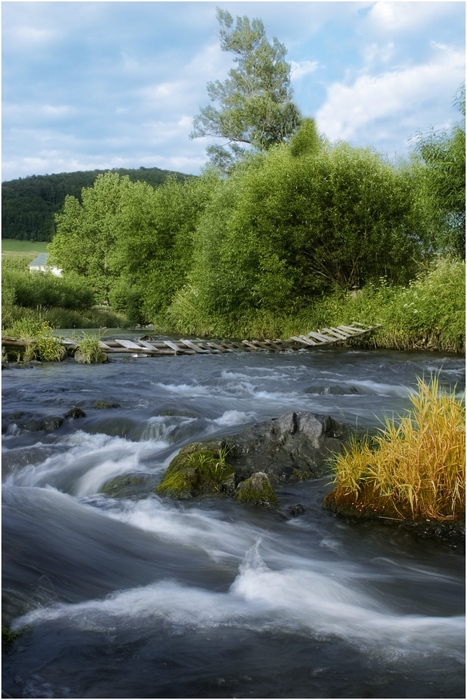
390	17
302	68
349	109
28	35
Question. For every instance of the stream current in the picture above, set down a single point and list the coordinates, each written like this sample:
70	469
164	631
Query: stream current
145	597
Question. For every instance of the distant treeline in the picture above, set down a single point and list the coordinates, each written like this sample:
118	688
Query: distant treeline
29	204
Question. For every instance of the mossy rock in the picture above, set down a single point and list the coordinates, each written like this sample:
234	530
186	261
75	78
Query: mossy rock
101	404
75	412
9	637
258	491
200	469
125	486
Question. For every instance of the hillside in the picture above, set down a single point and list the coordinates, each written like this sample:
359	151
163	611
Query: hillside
29	204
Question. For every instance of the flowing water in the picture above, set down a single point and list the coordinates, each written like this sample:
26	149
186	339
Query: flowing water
143	597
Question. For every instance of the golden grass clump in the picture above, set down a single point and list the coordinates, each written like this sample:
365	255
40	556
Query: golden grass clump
414	470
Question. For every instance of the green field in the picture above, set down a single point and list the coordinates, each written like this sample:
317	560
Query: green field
25	249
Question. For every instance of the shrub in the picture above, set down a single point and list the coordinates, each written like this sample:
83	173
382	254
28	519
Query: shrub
89	351
40	344
413	470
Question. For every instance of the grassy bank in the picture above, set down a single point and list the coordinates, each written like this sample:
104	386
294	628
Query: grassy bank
428	314
28	249
414	469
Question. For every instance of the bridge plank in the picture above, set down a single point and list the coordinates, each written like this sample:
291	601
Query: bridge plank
128	344
304	341
334	332
176	348
193	346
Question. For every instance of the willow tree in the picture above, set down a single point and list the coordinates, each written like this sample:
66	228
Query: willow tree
253	107
443	155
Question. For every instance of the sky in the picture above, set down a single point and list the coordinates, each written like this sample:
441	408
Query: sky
101	85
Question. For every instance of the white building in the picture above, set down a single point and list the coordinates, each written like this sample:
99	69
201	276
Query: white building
39	264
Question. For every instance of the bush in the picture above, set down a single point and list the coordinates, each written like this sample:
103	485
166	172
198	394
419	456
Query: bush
414	470
40	344
45	290
89	351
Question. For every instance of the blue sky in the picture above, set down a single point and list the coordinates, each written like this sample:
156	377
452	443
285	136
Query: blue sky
116	84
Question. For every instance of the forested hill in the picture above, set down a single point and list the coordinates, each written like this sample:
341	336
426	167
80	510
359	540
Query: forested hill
29	204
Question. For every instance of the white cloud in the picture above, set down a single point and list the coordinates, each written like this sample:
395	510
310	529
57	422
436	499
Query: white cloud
55	111
378	53
302	68
188	88
351	108
28	35
388	17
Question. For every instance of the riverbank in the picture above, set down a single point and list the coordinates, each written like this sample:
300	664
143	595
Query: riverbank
428	314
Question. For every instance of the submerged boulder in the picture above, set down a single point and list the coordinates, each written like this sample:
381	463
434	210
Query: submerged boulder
133	485
102	404
75	412
293	447
258	491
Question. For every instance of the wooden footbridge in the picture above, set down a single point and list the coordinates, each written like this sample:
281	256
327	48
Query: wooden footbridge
150	347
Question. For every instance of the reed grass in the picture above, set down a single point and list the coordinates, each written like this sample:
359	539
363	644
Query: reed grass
40	343
89	351
413	469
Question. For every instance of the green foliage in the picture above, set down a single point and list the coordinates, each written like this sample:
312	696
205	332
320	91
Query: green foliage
87	233
153	252
416	469
307	140
40	289
255	102
428	313
284	229
443	182
29	204
16	263
89	351
40	343
133	242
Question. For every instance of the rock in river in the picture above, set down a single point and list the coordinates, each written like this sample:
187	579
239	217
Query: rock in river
293	447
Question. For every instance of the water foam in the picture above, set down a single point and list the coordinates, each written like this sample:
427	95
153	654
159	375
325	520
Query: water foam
204	530
261	599
186	389
87	464
233	417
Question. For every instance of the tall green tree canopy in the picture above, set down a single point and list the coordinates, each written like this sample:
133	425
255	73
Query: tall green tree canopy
87	233
254	105
444	156
133	242
292	223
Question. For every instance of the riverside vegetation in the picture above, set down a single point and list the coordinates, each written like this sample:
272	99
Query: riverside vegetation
414	469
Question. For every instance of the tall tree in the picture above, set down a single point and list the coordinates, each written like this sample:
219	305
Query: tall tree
87	233
444	157
254	105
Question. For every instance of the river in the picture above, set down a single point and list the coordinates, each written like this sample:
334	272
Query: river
144	597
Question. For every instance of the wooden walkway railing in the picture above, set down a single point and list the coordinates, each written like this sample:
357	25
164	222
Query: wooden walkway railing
149	347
